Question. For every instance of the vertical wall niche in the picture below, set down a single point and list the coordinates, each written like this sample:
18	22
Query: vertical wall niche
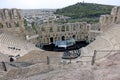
58	29
74	27
10	15
0	16
73	36
115	19
63	29
1	25
16	24
51	39
67	28
10	25
63	38
7	25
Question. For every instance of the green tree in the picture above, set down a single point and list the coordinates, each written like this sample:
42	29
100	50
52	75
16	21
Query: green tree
90	11
33	27
25	22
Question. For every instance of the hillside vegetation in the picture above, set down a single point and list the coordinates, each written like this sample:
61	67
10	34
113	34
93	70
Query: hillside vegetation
84	11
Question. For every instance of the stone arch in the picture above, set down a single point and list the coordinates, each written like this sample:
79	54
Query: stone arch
1	16
63	38
10	25
115	19
67	28
7	25
63	29
74	36
51	39
16	24
74	27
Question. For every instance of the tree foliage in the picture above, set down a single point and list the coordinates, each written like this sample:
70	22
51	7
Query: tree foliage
84	10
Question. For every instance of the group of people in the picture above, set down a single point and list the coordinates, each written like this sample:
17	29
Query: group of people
71	54
11	58
14	48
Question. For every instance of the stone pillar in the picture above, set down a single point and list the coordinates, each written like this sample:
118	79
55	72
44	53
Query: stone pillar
118	15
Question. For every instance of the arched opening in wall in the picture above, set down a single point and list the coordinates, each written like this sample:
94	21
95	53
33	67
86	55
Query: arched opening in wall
7	25
10	15
74	27
1	25
67	28
51	39
2	16
99	29
10	25
63	38
16	24
63	29
115	19
73	36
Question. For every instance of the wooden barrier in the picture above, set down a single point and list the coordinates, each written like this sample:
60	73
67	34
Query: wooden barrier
93	57
4	66
48	60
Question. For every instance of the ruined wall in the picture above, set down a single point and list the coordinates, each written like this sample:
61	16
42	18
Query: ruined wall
108	40
53	32
11	20
107	20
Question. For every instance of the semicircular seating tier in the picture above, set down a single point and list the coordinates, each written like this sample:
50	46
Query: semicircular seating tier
13	45
108	41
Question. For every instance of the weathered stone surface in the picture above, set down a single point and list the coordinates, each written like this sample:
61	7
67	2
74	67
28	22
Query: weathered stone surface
80	31
11	20
107	20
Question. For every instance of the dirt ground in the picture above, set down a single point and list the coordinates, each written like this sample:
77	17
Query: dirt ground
105	70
